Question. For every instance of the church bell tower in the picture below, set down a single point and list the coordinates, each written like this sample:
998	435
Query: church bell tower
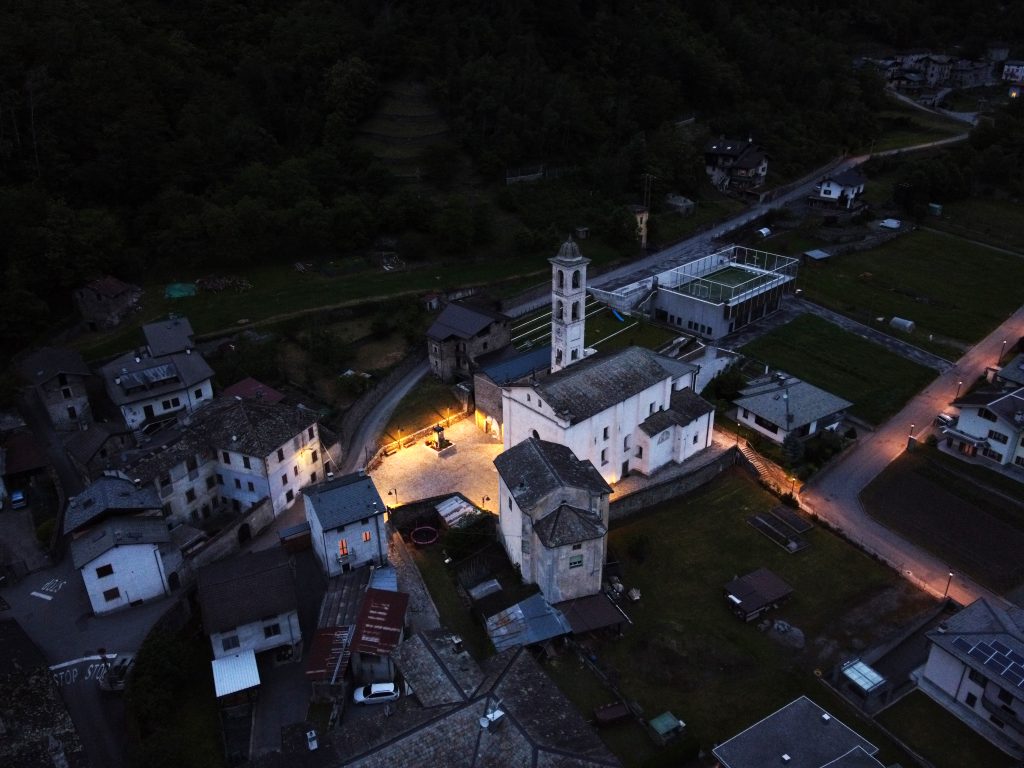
568	302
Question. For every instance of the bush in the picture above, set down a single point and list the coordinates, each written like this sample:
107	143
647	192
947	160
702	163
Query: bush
44	531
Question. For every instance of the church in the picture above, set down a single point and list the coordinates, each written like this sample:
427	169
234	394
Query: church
631	410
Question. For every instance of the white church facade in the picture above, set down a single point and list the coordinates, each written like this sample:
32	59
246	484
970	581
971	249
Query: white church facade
631	410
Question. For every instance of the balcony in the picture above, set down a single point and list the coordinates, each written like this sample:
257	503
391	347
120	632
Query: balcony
1006	716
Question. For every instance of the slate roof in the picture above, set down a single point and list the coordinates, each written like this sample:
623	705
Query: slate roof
86	443
540	726
247	588
120	531
983	622
507	369
344	500
168	336
244	426
568	525
799	730
685	407
1013	371
534	468
772	400
462	321
108	495
585	614
380	623
251	389
596	383
150	377
851	177
47	363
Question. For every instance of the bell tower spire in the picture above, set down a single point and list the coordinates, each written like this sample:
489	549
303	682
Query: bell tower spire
568	302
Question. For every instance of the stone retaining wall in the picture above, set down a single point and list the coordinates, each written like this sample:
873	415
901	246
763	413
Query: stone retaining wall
670	489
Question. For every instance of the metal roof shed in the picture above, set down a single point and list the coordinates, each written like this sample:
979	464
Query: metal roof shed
235	673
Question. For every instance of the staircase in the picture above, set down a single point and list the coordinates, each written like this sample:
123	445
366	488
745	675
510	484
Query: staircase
754	459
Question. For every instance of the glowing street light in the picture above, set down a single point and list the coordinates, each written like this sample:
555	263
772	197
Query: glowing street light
958	385
911	430
394	492
948	582
1002	352
484	503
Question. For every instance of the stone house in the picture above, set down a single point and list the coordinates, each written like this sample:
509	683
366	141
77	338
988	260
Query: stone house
58	378
347	523
106	301
735	164
461	334
553	512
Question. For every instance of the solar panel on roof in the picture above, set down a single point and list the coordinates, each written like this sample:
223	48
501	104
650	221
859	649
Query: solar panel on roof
1000	648
985	648
994	665
1013	677
977	653
961	645
1001	659
1014	656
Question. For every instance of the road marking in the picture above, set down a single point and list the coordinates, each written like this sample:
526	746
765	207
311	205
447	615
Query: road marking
71	663
41	595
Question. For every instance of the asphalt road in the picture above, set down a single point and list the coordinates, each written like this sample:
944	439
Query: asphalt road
834	495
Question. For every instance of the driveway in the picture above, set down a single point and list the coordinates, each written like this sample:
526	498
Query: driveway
834	495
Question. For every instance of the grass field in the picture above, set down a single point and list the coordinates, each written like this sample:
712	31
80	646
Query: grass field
939	737
947	286
905	126
426	404
667	228
998	222
687	653
724	284
977	529
877	381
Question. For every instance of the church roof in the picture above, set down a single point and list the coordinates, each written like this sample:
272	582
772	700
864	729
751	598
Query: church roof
534	468
597	383
569	254
568	525
685	407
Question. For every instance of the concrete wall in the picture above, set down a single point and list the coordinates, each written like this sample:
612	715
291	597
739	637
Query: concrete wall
226	542
677	486
138	575
487	401
253	636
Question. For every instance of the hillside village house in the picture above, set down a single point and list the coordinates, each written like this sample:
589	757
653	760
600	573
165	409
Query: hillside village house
235	452
975	669
162	381
107	498
347	519
778	405
991	423
553	512
462	333
735	164
1013	71
105	302
249	605
843	189
97	448
126	561
58	378
628	410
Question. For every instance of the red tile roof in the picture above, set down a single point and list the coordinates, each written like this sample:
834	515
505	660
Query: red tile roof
380	624
251	389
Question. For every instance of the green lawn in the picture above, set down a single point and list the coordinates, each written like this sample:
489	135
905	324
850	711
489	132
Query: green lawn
430	402
999	222
670	227
687	653
905	126
947	286
939	737
455	615
878	382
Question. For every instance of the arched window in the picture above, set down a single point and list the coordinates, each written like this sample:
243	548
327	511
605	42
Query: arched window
559	310
561	279
576	279
575	310
558	357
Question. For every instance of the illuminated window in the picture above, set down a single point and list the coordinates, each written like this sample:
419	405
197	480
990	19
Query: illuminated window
366	536
342	547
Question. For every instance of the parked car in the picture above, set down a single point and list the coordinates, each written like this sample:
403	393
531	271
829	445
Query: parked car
376	693
18	500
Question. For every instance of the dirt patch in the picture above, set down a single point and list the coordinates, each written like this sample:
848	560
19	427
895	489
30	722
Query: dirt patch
379	355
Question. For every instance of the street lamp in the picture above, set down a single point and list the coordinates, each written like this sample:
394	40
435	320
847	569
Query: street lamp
394	492
737	434
911	430
484	504
792	486
1002	352
948	581
958	385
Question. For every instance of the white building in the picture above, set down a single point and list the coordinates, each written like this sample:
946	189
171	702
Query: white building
628	410
156	384
233	452
122	562
554	518
347	523
843	189
975	669
991	424
249	603
780	404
